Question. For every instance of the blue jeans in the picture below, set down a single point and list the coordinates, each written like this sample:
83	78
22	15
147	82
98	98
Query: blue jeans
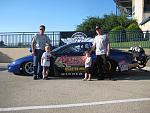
37	62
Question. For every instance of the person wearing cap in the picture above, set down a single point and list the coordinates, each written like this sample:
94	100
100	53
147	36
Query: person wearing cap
101	45
39	41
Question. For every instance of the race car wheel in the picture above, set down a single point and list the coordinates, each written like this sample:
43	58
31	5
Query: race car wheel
56	71
27	68
113	66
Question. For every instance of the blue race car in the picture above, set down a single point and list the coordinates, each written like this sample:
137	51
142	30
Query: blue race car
69	60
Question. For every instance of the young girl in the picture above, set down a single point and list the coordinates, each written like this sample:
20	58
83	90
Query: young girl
88	63
45	61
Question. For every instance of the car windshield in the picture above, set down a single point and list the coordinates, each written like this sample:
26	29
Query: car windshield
56	49
73	48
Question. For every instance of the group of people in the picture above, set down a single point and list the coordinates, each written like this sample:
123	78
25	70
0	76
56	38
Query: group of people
41	50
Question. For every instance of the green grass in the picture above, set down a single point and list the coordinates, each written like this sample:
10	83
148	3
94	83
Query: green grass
144	44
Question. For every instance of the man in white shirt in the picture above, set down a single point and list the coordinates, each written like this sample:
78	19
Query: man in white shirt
102	45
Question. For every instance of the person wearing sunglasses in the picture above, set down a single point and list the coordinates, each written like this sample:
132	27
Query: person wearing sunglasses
39	41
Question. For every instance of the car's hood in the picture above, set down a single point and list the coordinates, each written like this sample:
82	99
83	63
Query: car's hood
23	59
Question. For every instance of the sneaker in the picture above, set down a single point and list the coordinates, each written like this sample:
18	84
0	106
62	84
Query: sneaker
88	79
40	76
45	78
84	79
35	77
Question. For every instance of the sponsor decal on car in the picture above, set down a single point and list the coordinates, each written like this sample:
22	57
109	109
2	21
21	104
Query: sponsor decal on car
74	69
70	60
123	65
71	64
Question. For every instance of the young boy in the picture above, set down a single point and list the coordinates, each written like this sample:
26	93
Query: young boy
88	63
45	61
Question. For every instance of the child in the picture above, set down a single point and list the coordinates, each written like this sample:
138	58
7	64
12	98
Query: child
88	63
45	61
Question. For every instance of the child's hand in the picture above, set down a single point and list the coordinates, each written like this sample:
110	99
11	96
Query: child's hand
84	58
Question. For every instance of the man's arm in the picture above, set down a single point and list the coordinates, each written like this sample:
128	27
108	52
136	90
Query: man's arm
93	48
33	46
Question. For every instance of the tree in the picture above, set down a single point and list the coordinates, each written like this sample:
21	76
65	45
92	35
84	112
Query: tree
107	22
2	43
89	24
133	26
110	21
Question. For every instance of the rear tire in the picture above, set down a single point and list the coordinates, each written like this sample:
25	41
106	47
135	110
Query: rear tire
57	71
113	69
113	66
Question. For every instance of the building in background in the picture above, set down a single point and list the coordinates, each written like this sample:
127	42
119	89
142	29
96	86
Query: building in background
137	9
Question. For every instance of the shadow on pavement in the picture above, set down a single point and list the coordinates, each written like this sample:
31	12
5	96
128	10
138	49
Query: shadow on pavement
133	75
128	75
3	68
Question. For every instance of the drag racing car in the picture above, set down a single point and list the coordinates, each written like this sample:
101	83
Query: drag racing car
69	60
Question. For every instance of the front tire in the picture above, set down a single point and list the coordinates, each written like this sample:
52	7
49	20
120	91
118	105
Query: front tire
27	68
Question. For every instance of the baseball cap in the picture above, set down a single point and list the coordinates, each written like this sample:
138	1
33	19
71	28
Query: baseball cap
97	27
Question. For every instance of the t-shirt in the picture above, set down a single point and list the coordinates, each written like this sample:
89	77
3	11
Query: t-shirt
88	62
46	59
41	41
101	42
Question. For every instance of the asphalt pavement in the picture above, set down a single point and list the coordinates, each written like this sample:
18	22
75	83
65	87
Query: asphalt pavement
128	92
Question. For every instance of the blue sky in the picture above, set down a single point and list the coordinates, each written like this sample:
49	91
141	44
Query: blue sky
56	15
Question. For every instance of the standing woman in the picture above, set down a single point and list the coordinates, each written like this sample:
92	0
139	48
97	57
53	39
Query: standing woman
39	41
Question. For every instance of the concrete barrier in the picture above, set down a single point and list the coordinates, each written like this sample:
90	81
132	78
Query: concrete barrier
9	54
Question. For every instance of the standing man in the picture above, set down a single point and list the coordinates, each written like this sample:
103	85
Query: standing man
102	46
39	41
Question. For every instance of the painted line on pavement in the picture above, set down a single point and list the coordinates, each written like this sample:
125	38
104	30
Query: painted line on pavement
73	105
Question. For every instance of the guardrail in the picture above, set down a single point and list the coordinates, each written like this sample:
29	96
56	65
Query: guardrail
23	39
118	39
126	39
